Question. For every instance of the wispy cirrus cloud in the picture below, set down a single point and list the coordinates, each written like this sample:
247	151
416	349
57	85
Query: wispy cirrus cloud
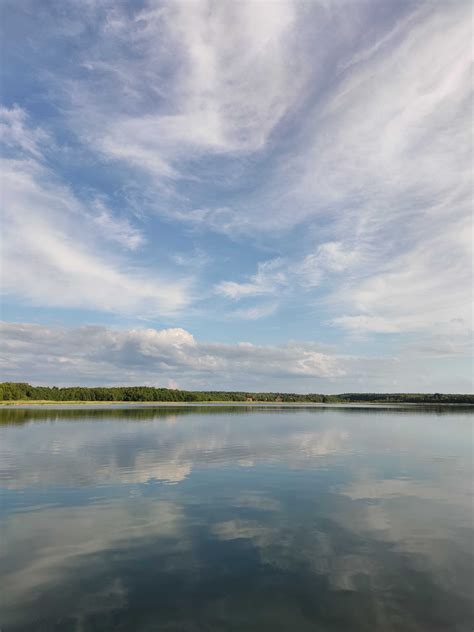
16	134
425	289
255	312
384	166
270	276
189	80
117	229
54	247
280	276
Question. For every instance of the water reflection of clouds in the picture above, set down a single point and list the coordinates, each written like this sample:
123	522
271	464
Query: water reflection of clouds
430	521
124	452
392	530
49	546
64	546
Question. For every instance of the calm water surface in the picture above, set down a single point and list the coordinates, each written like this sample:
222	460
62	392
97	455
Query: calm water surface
236	519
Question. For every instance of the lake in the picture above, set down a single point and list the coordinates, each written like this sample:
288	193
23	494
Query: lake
240	519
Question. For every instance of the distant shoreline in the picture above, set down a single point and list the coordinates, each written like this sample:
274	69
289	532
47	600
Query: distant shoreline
22	393
226	403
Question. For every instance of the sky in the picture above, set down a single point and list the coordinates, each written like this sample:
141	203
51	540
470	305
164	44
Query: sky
237	195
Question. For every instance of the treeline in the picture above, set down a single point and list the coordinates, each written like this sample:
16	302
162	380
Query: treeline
14	391
408	398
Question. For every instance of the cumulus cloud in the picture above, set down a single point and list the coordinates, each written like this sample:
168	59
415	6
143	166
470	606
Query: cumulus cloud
137	354
111	355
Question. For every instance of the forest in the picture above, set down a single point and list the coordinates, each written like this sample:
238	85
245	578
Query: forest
22	391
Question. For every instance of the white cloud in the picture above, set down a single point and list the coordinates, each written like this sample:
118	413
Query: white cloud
232	81
94	355
383	166
134	355
426	289
364	324
115	228
255	312
331	256
279	276
54	249
269	277
16	133
395	161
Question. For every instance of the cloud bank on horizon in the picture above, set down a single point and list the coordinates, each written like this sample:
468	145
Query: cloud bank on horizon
261	195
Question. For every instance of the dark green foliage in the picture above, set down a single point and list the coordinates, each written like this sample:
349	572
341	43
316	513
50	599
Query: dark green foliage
409	398
10	391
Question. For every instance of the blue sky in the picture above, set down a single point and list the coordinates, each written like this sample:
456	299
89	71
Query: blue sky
258	196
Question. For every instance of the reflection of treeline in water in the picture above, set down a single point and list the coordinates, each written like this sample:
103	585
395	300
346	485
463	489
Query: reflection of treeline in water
17	415
23	415
14	391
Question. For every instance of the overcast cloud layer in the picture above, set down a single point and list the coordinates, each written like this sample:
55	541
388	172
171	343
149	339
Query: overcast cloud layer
252	195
